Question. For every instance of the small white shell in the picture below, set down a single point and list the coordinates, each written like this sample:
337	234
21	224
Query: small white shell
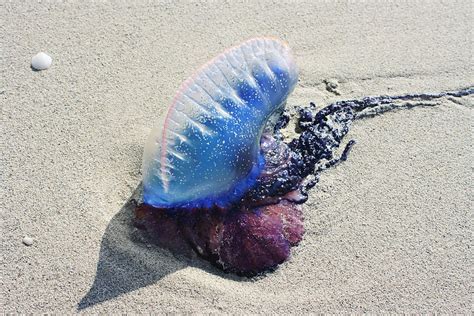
41	61
28	241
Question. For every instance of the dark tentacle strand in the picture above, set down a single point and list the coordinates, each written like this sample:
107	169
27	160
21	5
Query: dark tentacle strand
322	133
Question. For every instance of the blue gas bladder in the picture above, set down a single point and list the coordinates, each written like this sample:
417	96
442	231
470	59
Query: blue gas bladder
205	151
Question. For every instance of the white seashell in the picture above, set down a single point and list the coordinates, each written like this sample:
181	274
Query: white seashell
41	61
28	241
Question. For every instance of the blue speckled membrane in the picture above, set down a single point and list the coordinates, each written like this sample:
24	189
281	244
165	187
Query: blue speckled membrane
206	152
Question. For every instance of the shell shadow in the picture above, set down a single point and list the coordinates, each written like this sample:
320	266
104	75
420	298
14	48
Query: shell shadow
128	259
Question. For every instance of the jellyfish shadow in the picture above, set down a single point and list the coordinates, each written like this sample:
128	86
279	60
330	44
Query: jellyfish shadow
125	260
128	260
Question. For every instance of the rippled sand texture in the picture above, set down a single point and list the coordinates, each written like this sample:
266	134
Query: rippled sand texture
387	230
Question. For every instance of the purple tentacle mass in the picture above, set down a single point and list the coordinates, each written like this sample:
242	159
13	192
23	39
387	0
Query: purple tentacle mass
249	237
256	233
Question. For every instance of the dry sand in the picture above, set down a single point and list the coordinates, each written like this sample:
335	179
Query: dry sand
388	230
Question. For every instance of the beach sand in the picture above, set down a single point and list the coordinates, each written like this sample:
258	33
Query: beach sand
389	230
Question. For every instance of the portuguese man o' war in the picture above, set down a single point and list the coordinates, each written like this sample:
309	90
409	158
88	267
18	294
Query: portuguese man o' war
218	178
